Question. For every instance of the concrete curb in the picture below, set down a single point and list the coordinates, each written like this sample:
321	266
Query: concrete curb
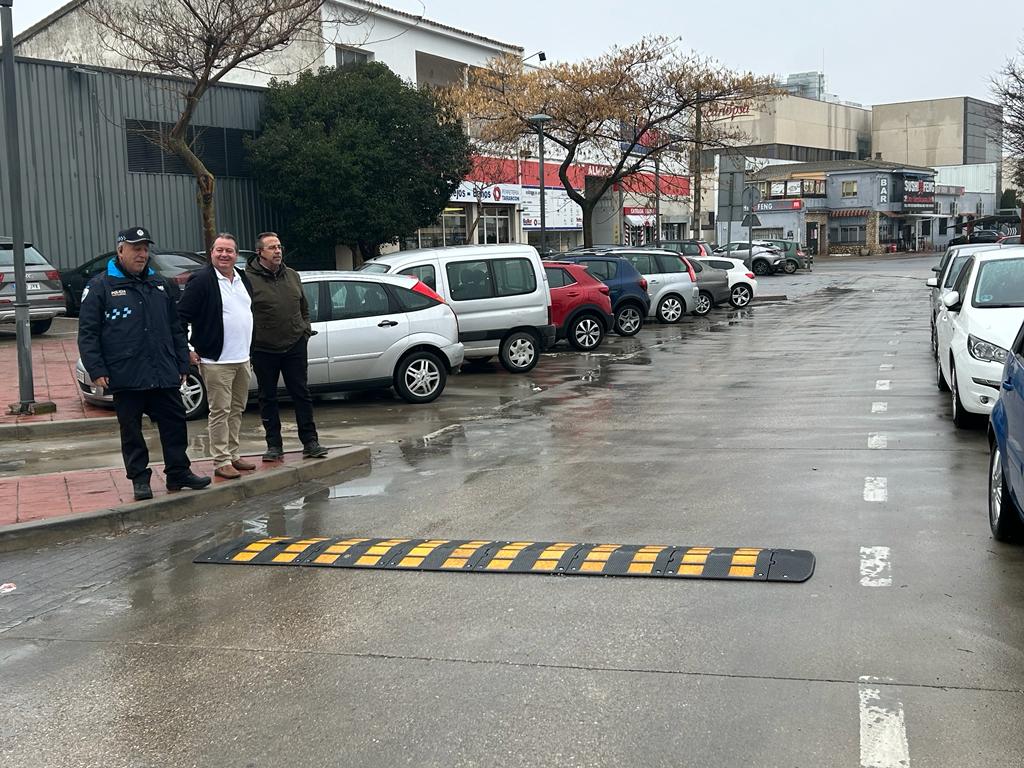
178	505
31	430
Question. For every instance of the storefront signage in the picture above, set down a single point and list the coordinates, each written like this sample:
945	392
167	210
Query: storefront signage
727	110
492	194
883	190
560	211
778	205
778	189
792	189
916	194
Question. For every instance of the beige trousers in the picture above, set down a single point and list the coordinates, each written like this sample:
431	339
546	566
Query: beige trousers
227	390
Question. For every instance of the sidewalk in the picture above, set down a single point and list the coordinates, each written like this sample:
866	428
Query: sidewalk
53	375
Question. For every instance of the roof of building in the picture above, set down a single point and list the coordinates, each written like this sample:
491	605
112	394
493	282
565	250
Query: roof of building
784	171
67	8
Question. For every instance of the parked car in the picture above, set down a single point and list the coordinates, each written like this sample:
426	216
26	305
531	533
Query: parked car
742	282
499	293
977	324
672	283
174	266
796	256
1009	240
687	247
950	265
372	331
240	260
1006	449
762	257
977	236
42	288
581	305
628	288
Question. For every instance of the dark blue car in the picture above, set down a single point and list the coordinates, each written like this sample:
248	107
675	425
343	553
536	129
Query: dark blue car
628	288
1006	441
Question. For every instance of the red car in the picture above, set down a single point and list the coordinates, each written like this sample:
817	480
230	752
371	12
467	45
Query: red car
581	305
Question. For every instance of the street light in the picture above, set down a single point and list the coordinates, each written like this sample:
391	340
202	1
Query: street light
539	121
541	57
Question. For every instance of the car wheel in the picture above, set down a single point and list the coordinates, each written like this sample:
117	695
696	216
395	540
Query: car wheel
193	395
519	352
935	343
740	295
629	320
704	303
670	309
39	327
420	377
1003	514
940	380
585	333
961	417
761	267
789	267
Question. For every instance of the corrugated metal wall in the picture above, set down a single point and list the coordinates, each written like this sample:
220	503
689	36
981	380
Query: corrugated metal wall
75	182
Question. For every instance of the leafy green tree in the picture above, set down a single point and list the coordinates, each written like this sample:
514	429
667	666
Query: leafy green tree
355	156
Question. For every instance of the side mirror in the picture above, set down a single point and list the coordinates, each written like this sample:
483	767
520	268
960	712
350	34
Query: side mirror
932	282
935	269
951	300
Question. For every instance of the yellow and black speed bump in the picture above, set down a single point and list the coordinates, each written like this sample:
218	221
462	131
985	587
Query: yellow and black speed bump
566	558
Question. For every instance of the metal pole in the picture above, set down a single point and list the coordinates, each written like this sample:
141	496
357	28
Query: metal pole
657	201
543	212
26	392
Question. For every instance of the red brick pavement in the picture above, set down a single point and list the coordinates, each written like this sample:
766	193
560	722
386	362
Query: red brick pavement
53	374
44	497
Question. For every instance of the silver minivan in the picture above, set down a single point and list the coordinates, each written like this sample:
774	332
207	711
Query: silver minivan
499	293
672	289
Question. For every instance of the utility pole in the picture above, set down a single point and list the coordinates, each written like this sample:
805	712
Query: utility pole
698	181
26	391
657	201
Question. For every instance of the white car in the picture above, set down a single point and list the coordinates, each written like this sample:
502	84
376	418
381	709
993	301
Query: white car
742	282
947	271
370	332
975	327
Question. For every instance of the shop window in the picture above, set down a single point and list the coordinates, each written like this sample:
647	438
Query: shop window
849	189
855	234
450	229
495	224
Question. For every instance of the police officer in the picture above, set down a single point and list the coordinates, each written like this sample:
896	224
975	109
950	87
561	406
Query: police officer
132	344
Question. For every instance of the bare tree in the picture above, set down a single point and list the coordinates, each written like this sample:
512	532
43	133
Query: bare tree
198	42
1009	89
622	109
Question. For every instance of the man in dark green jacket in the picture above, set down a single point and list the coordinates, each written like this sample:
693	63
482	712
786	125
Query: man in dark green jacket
281	331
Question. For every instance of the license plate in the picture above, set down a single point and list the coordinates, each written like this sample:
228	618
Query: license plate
34	287
81	376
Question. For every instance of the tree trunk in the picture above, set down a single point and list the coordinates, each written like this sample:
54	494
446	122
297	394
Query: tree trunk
207	211
588	222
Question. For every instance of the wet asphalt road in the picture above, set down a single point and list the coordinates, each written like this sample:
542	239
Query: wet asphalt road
757	428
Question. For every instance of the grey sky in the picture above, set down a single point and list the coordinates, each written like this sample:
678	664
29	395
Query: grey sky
874	51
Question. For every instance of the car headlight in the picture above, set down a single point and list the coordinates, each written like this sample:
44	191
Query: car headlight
985	350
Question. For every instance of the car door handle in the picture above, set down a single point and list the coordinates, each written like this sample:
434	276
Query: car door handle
387	323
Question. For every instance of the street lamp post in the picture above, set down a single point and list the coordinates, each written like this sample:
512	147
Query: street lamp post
26	391
539	121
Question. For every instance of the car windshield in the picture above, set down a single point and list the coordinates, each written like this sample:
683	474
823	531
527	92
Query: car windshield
1000	284
32	256
171	264
375	268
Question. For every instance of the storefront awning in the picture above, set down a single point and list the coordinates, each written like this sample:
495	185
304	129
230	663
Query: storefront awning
851	212
635	220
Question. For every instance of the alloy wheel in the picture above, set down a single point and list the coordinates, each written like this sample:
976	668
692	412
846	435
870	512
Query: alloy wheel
740	296
995	489
521	353
422	377
192	393
703	304
671	310
588	333
629	320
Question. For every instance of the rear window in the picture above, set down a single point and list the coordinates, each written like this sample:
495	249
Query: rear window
32	256
424	273
602	269
1000	284
697	266
669	263
558	277
171	264
411	301
375	267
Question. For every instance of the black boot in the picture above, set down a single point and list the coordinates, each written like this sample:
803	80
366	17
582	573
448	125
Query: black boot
140	485
193	481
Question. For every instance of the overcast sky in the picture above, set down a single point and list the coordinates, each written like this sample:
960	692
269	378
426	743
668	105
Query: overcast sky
872	51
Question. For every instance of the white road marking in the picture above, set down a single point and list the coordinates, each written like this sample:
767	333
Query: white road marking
883	384
894	341
886	367
889	354
883	728
439	432
879	407
875	567
878	441
876	489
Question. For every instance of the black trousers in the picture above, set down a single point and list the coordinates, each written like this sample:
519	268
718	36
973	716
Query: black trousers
163	406
290	365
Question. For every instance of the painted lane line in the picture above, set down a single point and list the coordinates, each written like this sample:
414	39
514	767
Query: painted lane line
886	367
879	407
878	441
889	354
875	567
883	728
894	341
876	489
883	385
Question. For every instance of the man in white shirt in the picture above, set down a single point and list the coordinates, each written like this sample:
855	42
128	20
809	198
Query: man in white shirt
217	303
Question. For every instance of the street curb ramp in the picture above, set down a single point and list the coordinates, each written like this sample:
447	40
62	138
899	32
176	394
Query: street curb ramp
178	505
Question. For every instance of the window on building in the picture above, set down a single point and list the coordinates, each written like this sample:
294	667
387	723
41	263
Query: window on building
848	234
943	226
451	228
849	189
495	224
222	150
346	55
926	228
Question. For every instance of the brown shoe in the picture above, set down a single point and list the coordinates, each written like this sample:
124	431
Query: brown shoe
243	464
227	472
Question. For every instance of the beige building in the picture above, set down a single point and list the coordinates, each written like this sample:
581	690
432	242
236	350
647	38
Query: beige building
937	132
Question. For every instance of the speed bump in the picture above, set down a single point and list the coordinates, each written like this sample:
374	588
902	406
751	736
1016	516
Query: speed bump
550	557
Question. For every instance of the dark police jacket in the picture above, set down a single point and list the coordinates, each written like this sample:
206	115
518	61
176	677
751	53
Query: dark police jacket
128	331
202	307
